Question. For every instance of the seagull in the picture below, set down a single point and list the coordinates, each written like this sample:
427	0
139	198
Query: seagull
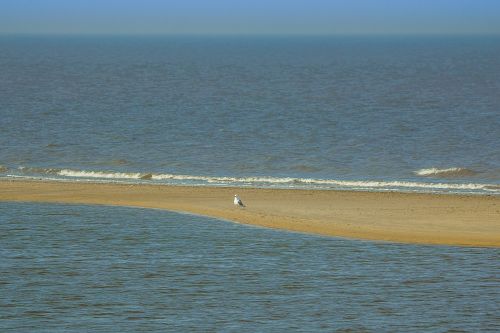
237	201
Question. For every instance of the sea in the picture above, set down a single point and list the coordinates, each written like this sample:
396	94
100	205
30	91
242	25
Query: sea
360	113
68	268
406	113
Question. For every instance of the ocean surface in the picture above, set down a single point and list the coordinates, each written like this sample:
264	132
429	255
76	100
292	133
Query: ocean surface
71	268
363	113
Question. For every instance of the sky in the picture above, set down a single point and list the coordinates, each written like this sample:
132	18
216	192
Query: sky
303	17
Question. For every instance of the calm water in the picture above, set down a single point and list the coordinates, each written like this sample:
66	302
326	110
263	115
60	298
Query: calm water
378	113
101	269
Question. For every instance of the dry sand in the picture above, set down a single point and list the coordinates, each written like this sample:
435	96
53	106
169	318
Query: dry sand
396	217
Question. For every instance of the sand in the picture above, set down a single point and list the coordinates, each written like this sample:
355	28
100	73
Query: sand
464	220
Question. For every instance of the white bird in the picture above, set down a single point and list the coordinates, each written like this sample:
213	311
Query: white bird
237	201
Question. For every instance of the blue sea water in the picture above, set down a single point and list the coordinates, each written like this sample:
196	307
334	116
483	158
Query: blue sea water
362	113
369	113
68	268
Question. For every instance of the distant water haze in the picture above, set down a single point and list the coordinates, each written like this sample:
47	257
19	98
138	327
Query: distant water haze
376	113
251	17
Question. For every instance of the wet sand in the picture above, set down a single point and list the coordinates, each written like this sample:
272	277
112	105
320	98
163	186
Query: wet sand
396	217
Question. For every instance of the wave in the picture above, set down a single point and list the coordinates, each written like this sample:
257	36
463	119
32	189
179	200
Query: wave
30	170
3	169
98	174
448	172
86	174
267	181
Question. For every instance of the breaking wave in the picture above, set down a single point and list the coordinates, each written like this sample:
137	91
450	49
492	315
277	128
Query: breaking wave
449	172
98	174
281	182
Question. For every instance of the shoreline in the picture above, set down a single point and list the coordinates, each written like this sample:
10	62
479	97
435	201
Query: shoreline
418	218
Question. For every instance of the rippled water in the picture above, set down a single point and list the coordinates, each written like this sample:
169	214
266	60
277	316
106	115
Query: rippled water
358	112
67	268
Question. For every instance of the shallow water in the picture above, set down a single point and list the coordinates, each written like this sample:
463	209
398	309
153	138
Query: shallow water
68	268
359	112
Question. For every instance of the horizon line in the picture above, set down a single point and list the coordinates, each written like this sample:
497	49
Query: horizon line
229	34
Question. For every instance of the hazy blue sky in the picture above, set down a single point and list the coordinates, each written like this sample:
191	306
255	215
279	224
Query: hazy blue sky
250	16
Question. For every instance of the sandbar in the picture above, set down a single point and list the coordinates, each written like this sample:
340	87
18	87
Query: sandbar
462	220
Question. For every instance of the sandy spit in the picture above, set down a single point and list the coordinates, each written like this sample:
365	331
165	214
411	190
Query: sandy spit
395	217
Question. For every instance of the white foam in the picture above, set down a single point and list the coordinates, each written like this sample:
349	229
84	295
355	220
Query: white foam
266	181
98	174
324	182
447	172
